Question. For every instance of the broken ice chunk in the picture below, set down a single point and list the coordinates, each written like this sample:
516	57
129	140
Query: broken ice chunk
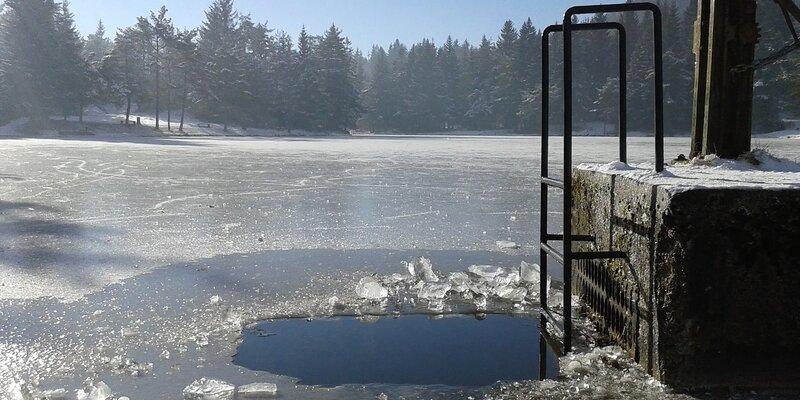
16	391
480	302
516	295
371	289
209	389
422	269
55	394
129	332
506	279
434	291
460	282
394	279
257	391
487	272
95	391
506	245
529	272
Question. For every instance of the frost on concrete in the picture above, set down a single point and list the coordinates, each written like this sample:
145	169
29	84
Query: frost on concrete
209	389
755	170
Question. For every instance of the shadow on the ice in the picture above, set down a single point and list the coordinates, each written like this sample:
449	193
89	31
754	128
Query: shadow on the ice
39	244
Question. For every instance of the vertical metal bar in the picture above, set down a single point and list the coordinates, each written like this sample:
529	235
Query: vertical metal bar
567	251
543	229
658	58
542	349
623	96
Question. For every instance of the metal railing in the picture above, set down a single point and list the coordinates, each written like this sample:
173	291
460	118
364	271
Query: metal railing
567	255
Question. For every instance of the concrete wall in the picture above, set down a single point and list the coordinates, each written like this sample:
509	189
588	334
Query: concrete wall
718	271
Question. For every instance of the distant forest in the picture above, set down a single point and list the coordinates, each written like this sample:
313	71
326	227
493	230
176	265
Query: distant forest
235	71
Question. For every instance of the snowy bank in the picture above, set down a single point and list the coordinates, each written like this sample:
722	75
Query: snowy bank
99	121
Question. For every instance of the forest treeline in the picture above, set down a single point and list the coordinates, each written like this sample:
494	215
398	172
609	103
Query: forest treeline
236	71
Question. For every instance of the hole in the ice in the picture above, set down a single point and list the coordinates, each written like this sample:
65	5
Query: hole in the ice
415	350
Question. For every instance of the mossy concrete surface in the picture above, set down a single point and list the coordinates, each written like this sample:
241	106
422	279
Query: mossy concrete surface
718	272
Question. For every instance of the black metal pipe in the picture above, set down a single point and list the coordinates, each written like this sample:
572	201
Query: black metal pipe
658	63
545	249
568	27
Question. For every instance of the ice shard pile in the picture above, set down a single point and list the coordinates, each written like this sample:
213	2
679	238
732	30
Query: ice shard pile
479	286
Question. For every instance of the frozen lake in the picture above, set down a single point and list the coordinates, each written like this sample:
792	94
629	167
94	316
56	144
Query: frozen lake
112	248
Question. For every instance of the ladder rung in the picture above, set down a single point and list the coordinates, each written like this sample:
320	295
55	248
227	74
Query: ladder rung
553	253
575	238
585	255
598	255
548	315
553	182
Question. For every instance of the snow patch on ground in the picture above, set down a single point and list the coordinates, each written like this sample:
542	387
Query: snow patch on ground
755	170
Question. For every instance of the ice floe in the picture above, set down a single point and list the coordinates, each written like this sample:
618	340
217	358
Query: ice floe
209	389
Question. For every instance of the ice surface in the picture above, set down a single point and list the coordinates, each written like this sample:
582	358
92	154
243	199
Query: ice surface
209	389
371	289
257	391
126	239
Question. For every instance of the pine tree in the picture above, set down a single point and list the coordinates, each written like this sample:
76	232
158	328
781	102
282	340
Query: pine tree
482	98
379	99
452	99
509	94
529	59
30	53
97	45
339	100
307	95
222	64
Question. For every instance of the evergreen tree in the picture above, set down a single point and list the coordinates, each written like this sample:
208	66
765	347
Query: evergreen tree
452	99
508	90
307	94
379	99
339	101
28	36
222	88
97	45
484	91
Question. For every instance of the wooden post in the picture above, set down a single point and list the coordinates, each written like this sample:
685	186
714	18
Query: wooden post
726	33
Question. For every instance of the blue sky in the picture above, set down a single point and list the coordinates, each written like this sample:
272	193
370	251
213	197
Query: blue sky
365	22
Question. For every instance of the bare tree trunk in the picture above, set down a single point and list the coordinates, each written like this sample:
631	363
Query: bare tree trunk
128	109
169	96
183	100
80	112
158	86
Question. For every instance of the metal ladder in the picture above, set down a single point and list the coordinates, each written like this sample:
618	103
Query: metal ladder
567	256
